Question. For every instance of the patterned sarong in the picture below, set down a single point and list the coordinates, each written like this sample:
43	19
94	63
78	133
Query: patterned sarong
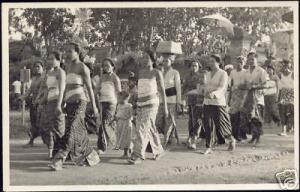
252	114
76	141
107	129
33	111
146	132
52	125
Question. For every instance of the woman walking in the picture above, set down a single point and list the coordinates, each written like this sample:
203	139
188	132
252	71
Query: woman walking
53	123
195	103
31	96
173	92
216	116
108	88
75	141
236	99
271	97
150	83
286	98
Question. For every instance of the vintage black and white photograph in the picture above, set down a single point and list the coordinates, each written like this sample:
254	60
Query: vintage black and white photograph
150	95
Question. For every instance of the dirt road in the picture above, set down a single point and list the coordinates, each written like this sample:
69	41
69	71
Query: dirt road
178	166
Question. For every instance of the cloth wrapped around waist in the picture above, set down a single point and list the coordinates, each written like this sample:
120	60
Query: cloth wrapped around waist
74	91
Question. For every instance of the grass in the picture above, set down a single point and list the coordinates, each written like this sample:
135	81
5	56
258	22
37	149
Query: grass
16	129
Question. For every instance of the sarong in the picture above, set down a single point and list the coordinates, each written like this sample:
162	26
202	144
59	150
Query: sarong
216	122
287	115
146	132
90	120
167	128
107	129
52	126
239	132
33	112
252	115
271	109
75	141
196	128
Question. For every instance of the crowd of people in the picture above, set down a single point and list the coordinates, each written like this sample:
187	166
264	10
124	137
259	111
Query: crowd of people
224	106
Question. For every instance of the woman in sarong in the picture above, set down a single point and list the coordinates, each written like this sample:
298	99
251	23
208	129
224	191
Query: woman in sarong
150	82
31	96
286	99
173	92
75	141
216	116
236	100
195	103
53	123
271	97
107	88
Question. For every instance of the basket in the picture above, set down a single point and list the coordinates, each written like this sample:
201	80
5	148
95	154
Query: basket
169	47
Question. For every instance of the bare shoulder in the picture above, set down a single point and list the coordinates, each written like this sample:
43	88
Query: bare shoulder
157	72
115	76
84	68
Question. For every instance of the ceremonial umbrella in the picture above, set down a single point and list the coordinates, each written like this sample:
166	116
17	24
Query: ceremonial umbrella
219	23
288	17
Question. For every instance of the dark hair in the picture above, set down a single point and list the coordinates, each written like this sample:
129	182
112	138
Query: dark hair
194	61
270	67
152	56
40	62
252	53
124	94
285	62
217	58
110	60
78	50
57	55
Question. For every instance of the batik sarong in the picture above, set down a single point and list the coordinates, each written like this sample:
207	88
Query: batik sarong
146	132
196	128
107	129
33	112
75	141
271	109
216	123
52	126
90	120
252	114
236	104
167	128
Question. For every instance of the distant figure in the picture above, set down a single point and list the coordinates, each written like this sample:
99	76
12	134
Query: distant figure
286	98
16	93
31	95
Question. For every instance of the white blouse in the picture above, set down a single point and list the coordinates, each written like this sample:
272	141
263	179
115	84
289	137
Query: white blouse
217	85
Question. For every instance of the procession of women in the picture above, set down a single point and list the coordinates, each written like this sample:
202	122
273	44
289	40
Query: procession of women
226	104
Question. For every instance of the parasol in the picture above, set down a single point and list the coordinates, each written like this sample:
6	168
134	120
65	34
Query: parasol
288	17
220	23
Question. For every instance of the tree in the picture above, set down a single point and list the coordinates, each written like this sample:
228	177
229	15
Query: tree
52	25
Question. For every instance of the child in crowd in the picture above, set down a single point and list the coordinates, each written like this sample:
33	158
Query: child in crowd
123	118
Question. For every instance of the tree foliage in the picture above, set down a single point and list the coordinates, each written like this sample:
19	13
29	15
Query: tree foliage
141	28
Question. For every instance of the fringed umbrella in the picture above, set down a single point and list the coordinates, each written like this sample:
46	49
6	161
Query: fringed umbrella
220	24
